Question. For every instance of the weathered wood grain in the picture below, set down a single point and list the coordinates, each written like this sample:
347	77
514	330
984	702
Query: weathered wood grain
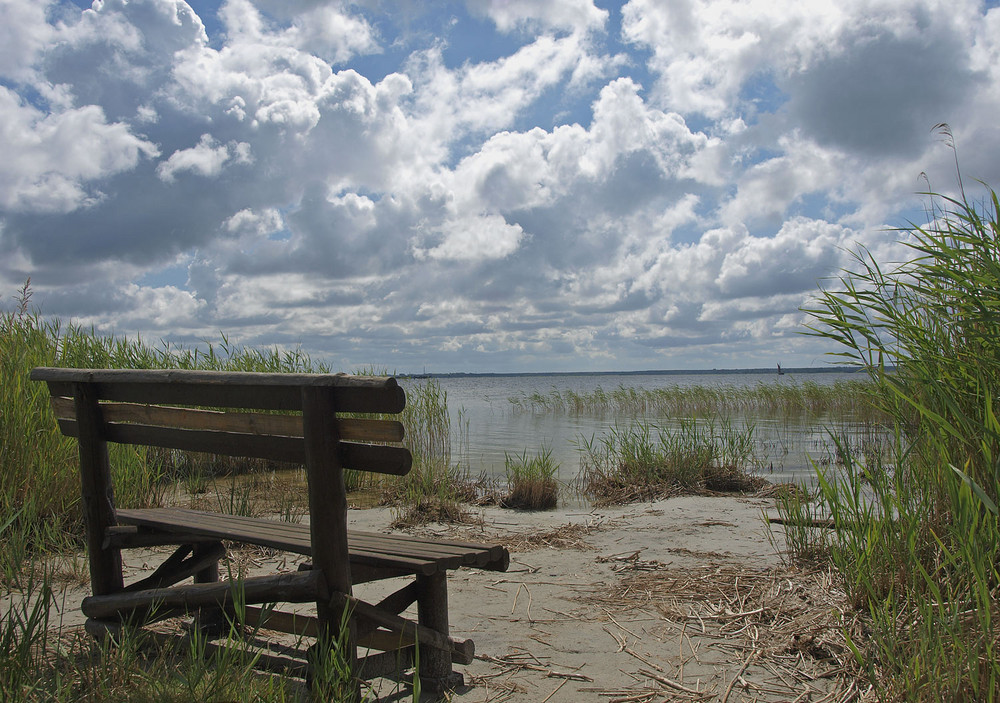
97	493
376	458
414	554
365	430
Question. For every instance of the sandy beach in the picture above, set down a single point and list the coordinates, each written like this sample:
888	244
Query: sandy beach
681	599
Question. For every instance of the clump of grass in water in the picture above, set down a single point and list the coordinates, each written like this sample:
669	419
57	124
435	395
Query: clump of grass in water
917	538
531	481
644	462
435	487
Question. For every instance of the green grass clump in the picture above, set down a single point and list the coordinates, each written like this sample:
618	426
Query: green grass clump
24	637
39	484
917	538
531	481
644	462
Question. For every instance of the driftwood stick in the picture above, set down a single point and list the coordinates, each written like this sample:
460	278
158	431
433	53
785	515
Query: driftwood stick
736	678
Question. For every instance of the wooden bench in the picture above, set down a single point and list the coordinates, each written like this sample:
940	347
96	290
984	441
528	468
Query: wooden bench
301	423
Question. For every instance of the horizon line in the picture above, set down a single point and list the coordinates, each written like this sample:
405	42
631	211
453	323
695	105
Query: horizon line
645	372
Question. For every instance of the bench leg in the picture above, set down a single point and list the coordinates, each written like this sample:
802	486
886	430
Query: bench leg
210	621
435	671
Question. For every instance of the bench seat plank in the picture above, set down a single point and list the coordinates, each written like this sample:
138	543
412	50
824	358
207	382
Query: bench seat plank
411	554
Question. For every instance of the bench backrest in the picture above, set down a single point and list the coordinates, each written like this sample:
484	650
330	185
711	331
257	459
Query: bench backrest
141	407
300	424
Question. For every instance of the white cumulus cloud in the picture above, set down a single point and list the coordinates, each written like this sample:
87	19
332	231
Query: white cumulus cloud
207	158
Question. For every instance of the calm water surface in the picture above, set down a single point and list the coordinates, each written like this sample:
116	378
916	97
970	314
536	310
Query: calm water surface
486	425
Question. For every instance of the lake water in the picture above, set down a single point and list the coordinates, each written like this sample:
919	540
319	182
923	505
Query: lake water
486	425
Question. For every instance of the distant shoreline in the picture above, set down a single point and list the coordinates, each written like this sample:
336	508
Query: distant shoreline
664	372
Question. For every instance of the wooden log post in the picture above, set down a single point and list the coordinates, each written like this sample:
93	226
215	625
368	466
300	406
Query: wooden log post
97	493
435	672
299	587
328	522
209	620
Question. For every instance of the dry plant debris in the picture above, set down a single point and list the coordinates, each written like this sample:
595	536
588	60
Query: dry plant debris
785	625
568	536
430	509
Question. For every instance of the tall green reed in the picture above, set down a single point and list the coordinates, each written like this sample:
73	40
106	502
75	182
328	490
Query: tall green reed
917	534
38	482
436	484
24	635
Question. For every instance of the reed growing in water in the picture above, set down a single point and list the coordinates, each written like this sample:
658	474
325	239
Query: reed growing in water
531	481
841	399
643	462
436	486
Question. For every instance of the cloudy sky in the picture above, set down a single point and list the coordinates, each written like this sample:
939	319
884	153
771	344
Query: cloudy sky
485	185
